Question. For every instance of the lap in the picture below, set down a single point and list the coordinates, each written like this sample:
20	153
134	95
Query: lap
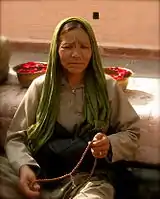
96	189
8	181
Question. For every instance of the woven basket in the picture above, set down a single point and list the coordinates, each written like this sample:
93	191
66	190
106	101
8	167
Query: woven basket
123	82
25	79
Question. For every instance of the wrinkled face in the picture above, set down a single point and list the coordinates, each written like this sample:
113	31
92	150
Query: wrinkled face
75	50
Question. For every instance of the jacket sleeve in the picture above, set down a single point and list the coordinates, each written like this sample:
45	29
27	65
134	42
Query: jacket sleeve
16	151
124	128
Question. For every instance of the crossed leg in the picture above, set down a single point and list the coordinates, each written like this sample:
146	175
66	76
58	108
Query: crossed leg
96	190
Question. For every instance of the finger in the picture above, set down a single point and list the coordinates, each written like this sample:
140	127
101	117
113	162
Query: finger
98	136
25	187
35	187
101	154
89	143
99	143
31	193
101	148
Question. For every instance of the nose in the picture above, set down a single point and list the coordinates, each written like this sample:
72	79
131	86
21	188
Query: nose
76	52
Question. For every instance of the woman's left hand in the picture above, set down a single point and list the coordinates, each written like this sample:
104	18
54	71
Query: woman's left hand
100	145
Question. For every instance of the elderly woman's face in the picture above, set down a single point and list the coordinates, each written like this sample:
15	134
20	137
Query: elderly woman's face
75	50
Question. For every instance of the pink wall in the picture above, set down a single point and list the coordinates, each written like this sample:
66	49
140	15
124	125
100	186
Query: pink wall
131	23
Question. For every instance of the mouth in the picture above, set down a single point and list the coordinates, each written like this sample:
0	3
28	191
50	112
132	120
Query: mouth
75	63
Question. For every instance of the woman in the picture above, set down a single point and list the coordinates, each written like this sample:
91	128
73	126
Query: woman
60	114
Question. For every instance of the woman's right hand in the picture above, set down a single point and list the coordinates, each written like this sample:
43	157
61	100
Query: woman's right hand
27	176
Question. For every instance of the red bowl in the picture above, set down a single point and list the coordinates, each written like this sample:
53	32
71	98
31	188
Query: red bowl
27	72
120	74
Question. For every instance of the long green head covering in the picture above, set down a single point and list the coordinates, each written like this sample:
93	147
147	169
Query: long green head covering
96	104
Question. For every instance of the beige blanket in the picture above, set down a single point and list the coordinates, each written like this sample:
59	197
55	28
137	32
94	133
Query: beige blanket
143	93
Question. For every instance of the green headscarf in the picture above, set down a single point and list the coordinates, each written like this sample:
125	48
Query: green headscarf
96	105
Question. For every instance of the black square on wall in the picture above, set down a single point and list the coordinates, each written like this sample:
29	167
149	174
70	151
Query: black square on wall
95	15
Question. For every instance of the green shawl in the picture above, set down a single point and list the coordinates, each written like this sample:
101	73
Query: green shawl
96	104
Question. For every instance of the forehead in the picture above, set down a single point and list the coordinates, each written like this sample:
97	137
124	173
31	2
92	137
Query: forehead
77	34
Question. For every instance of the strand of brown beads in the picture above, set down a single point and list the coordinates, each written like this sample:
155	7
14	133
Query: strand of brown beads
72	172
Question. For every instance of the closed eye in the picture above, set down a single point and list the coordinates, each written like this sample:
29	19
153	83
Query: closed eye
84	47
67	47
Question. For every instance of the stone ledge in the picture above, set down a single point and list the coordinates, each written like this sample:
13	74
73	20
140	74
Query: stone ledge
128	52
106	51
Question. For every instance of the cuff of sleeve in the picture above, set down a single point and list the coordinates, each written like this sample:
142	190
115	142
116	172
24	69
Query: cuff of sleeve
30	162
35	168
110	154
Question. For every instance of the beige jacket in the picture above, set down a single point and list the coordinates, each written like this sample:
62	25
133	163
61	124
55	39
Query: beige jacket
124	143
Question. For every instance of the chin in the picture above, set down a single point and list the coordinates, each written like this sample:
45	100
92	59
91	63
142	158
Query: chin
76	71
